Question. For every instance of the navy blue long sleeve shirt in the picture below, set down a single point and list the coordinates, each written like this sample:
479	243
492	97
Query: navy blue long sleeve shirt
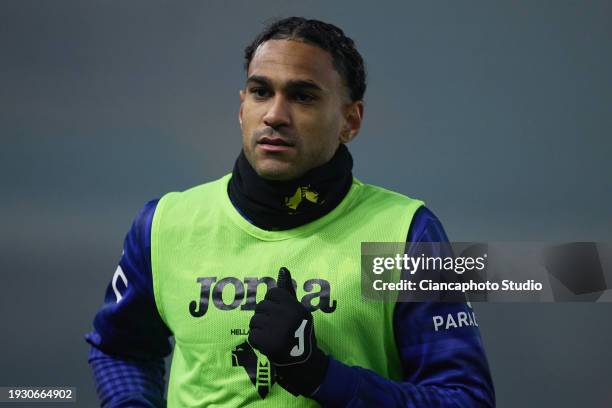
443	367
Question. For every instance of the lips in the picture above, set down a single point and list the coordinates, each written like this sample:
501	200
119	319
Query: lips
274	145
274	141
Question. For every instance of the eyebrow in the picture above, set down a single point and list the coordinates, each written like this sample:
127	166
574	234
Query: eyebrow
291	84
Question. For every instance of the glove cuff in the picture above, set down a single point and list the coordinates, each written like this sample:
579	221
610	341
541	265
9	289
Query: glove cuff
304	379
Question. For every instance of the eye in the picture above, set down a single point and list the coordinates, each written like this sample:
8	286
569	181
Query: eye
304	97
259	92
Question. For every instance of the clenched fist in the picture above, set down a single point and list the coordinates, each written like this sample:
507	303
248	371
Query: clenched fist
282	329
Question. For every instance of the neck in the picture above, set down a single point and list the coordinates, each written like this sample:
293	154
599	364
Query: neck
281	205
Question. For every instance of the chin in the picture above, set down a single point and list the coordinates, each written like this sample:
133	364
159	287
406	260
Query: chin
277	173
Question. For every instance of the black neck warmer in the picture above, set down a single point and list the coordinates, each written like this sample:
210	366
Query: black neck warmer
281	205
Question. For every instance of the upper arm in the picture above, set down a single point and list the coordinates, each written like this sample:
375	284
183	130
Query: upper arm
128	323
439	342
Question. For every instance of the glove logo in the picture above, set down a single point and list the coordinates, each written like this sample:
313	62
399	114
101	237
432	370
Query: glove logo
261	372
298	350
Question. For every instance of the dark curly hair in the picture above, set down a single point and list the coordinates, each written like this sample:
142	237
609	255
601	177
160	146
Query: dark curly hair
346	59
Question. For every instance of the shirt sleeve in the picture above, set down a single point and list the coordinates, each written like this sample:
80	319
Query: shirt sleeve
444	365
129	340
124	382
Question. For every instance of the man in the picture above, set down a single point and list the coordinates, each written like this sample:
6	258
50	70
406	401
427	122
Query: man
201	265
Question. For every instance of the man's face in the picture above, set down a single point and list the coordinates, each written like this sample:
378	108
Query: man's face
294	110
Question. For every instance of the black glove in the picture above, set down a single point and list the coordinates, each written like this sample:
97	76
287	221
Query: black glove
282	329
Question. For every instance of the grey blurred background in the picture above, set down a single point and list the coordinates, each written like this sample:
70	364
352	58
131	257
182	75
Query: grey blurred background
497	114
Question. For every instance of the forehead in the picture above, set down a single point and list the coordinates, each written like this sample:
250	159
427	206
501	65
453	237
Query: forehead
283	60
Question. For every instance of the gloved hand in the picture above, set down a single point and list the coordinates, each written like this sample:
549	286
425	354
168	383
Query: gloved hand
282	329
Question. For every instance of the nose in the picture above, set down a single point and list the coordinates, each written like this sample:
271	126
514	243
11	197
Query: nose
278	113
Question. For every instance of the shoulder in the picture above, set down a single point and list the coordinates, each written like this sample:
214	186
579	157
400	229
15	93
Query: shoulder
179	211
211	188
380	196
378	190
142	222
426	227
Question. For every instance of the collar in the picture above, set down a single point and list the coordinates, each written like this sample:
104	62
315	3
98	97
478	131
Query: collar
282	205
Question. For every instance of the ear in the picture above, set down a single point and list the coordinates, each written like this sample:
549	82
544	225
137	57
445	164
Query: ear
242	95
353	116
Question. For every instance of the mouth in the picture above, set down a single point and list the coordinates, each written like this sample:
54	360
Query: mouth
274	144
274	141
